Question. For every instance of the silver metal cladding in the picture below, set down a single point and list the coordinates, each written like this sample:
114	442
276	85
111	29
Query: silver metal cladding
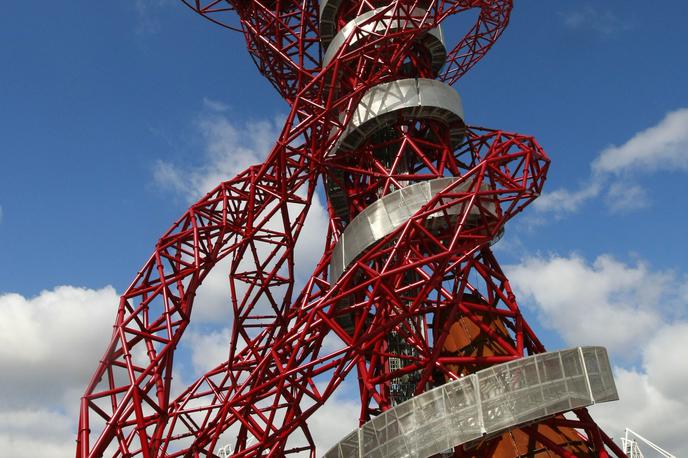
365	24
419	98
385	215
487	402
328	21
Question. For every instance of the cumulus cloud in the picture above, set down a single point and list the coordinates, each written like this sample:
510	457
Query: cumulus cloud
27	433
49	347
208	348
606	302
663	147
639	315
626	196
653	398
566	201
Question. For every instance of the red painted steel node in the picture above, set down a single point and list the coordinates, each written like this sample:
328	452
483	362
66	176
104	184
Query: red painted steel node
407	295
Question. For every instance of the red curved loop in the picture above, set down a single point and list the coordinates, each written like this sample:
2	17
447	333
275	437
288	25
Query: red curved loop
491	22
417	304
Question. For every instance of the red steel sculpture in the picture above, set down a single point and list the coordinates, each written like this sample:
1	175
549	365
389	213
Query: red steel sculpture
407	295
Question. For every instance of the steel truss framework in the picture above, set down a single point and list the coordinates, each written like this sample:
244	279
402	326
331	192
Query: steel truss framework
432	284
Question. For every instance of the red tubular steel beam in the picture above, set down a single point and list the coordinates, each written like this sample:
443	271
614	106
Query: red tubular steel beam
423	303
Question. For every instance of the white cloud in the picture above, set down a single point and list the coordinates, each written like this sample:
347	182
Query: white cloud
214	105
212	302
626	196
57	336
591	18
565	201
229	148
653	399
333	421
604	303
208	349
36	432
663	147
665	358
639	315
49	346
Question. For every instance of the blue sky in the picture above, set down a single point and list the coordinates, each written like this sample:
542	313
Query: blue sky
113	118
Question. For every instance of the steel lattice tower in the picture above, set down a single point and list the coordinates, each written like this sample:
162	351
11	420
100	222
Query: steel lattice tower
408	292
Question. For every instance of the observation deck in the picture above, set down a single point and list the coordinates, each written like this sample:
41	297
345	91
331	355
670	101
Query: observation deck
485	403
385	215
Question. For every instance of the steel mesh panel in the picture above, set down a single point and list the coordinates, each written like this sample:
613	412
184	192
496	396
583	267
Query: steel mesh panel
388	213
487	402
364	25
382	104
